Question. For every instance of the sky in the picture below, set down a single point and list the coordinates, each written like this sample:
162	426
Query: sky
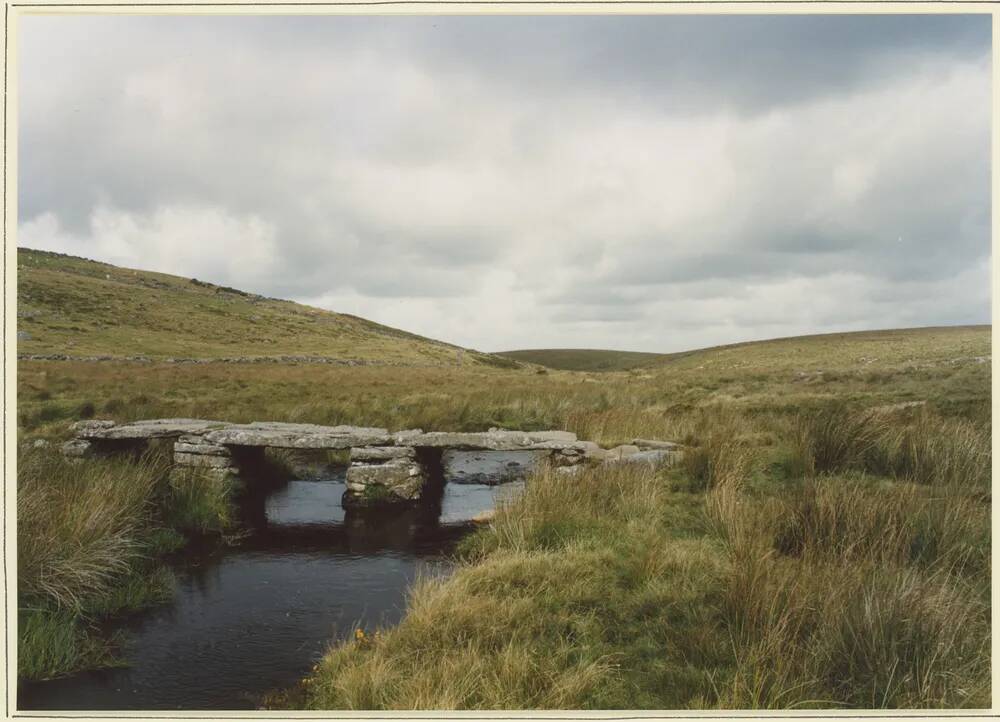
651	183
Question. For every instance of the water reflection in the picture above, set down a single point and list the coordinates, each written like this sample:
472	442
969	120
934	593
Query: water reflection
254	617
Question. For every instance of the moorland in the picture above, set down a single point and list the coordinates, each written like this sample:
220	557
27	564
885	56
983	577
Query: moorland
824	541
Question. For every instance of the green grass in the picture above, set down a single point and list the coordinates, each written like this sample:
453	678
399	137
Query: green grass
581	359
70	305
52	643
741	588
568	588
940	369
200	504
88	538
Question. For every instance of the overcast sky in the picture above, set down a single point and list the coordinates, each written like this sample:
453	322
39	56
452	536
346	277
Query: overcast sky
650	183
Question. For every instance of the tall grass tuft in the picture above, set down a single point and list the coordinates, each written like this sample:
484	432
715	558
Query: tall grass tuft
200	503
573	597
924	447
855	593
51	643
80	525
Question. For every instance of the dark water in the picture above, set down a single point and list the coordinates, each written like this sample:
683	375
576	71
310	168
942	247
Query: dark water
254	617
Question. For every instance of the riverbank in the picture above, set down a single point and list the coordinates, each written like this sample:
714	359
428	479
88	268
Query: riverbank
254	613
839	561
91	535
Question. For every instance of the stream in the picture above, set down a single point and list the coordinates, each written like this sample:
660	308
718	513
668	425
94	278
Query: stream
254	616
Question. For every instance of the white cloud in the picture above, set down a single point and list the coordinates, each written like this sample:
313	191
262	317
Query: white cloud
184	240
427	178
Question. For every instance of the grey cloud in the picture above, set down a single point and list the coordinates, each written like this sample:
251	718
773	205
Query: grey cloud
680	177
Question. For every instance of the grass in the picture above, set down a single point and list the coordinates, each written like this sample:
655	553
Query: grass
52	643
718	584
557	607
824	543
88	540
568	359
200	504
70	305
609	408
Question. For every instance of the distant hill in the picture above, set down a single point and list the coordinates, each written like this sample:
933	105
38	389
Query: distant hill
584	359
77	307
931	344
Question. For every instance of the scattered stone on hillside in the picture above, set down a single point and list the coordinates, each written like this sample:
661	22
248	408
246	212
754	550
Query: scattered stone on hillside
23	336
39	444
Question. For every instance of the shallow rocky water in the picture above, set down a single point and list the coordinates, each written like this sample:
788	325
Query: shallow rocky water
253	617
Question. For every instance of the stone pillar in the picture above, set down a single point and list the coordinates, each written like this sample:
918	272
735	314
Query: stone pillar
192	452
383	475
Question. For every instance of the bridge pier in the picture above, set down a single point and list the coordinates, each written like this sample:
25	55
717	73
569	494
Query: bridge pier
381	474
193	453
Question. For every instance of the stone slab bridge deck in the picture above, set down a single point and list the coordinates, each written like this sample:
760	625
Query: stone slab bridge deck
384	465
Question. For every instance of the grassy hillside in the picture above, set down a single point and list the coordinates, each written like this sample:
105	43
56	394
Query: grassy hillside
945	369
77	307
863	347
583	359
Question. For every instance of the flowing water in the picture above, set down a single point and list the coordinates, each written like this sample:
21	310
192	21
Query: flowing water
255	616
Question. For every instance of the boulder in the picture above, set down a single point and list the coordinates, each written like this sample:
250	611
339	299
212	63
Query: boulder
620	452
652	457
76	448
